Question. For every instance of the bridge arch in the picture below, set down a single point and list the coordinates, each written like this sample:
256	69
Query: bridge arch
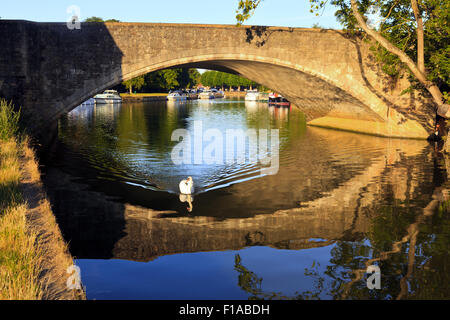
318	96
48	69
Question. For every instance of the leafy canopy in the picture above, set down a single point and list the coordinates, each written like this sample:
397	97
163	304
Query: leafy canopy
98	19
396	22
163	80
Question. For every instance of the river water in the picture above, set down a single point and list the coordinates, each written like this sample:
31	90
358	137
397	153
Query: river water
338	203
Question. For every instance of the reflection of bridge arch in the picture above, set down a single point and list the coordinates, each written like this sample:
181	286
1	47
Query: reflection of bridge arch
325	73
137	233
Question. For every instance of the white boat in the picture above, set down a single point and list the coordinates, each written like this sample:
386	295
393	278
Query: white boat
218	93
176	96
109	96
254	95
208	94
278	100
192	94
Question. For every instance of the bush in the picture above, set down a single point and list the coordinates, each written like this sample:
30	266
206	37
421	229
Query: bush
9	120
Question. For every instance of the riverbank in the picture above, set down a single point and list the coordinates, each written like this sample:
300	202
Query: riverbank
235	94
33	255
148	97
143	97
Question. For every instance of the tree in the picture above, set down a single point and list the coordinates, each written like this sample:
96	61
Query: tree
228	80
207	78
416	34
220	79
94	19
98	19
138	83
170	78
183	78
194	77
216	78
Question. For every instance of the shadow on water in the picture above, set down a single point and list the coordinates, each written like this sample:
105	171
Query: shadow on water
343	198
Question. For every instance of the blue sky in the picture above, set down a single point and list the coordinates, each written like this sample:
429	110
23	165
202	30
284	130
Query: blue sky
290	13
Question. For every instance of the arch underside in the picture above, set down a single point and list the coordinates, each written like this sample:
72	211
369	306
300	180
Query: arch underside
311	94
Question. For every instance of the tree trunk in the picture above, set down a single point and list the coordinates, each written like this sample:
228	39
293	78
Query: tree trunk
420	44
420	75
131	89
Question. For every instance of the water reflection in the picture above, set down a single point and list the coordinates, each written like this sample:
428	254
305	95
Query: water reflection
189	199
339	202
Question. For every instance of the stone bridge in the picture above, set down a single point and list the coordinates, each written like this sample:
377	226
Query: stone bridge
49	69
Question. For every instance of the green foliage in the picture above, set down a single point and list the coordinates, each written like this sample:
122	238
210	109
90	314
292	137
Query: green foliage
446	96
246	8
136	83
216	78
171	78
194	78
437	41
263	88
9	120
163	80
98	19
94	19
398	25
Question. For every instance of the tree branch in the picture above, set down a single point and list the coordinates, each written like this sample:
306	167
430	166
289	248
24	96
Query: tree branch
420	75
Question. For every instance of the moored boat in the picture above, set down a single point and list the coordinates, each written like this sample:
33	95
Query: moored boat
278	100
251	95
255	95
206	95
192	94
176	96
218	94
107	97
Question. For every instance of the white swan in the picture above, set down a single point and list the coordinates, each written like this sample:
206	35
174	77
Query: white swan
187	186
189	199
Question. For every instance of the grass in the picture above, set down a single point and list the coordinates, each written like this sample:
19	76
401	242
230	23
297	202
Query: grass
20	257
9	120
33	255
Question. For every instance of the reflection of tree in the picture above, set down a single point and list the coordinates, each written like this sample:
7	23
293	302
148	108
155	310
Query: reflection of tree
398	252
290	129
92	132
411	249
248	281
252	284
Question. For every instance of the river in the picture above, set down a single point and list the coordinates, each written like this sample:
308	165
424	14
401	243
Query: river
337	203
